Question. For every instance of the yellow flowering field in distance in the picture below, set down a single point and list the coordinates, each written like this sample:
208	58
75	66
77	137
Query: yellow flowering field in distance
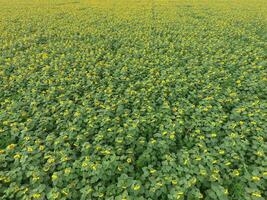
133	99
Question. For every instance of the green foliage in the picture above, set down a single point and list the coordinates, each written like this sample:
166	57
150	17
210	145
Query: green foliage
133	100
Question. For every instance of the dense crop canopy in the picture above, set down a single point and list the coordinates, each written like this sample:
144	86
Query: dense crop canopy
151	99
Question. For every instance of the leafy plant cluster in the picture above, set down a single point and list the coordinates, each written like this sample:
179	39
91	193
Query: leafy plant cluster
120	100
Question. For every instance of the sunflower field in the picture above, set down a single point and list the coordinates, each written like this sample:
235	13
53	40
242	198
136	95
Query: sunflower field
133	99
